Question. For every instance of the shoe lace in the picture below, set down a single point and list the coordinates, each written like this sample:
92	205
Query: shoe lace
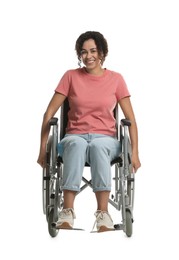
100	215
67	211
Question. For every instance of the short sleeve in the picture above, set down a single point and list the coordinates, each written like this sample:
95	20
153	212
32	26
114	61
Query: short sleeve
63	86
122	89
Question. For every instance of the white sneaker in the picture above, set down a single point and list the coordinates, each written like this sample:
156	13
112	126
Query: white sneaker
66	219
103	221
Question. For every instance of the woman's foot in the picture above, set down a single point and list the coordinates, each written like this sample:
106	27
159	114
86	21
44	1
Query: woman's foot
66	219
103	221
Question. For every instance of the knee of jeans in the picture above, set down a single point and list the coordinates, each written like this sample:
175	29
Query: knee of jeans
76	143
71	143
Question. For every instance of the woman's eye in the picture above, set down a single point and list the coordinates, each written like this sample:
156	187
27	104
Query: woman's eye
83	52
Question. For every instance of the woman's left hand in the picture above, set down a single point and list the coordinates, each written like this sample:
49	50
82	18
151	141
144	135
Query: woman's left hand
135	163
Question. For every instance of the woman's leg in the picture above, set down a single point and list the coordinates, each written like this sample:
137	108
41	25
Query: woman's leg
101	151
102	198
73	151
69	197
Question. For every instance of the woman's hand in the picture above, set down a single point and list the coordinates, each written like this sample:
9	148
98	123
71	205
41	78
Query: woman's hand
135	162
41	159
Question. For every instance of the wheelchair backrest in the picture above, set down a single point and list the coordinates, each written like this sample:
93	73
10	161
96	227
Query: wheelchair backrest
64	117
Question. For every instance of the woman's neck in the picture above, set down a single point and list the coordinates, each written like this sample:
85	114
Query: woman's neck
97	71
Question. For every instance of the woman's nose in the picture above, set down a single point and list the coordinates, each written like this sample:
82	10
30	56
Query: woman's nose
88	54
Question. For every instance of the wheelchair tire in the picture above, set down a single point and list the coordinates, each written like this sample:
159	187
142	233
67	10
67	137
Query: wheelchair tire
128	223
46	179
52	231
45	193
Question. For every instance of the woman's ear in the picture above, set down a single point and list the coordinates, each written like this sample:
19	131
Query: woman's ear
101	57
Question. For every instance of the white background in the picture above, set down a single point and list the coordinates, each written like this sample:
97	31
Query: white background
37	40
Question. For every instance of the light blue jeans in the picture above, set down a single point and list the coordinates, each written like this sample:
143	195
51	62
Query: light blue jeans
97	150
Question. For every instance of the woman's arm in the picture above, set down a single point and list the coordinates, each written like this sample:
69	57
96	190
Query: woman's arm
127	109
56	101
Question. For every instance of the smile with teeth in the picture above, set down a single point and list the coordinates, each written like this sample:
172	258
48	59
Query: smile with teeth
90	61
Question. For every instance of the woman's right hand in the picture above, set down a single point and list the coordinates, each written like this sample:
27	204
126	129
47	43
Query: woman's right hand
56	101
41	159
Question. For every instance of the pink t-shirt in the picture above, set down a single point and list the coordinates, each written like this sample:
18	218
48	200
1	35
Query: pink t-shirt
92	100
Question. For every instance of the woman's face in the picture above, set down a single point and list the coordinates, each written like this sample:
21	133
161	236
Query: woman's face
90	56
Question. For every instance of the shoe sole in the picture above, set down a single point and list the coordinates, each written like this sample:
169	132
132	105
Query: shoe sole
104	229
64	225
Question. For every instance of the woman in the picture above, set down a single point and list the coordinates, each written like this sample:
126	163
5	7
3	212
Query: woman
93	93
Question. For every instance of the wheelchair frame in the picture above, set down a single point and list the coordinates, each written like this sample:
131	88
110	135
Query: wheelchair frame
123	197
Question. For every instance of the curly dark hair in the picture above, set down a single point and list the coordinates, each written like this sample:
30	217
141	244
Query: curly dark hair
100	42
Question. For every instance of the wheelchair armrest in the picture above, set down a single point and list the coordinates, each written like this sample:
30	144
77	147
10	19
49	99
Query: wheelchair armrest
53	121
125	122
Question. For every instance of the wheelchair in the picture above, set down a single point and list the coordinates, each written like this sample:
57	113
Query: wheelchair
123	197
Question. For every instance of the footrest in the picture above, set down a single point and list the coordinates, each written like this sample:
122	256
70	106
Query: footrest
66	228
